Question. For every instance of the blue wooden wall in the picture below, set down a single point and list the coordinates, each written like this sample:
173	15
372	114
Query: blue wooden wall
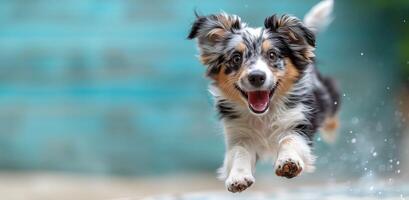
114	87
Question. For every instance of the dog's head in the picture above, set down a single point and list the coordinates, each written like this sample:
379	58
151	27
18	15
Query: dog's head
250	65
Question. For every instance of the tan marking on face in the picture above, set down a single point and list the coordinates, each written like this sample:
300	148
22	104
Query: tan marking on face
288	78
241	47
225	83
266	46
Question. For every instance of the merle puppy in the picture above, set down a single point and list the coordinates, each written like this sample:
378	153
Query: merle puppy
269	94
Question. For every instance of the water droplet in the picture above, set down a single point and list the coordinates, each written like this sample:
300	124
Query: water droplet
388	88
398	171
391	161
362	53
353	141
397	162
371	188
374	154
344	95
335	102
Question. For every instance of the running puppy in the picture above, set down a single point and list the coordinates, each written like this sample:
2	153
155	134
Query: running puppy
269	95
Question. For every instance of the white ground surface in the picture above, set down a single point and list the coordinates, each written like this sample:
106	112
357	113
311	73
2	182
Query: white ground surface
45	186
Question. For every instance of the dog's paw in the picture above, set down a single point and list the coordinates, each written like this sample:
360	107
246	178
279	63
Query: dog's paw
238	183
288	168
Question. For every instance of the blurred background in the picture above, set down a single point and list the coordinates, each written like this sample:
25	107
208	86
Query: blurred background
107	99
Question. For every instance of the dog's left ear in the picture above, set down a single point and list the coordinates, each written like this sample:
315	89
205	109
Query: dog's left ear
299	38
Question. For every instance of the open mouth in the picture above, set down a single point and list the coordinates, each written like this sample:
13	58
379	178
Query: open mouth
258	100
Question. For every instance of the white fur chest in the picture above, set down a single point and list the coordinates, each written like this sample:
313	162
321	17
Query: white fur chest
264	133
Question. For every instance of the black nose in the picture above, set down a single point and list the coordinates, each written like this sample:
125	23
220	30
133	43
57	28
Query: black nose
257	78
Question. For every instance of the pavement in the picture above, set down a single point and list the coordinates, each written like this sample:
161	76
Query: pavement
61	186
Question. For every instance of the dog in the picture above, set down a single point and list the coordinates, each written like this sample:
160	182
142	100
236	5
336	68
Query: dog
270	97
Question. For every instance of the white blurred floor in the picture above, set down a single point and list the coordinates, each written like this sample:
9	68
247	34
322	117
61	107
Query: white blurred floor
54	186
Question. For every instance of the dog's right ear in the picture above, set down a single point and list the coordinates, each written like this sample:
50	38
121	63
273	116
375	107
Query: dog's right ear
212	31
214	28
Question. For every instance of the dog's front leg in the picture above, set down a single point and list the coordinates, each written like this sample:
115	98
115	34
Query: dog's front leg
238	167
294	156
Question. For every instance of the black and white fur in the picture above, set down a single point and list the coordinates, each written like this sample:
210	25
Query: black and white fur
284	130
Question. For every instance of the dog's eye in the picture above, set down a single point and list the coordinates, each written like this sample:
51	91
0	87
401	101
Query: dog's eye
236	59
271	55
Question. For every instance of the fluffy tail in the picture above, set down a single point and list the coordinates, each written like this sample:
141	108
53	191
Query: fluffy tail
320	16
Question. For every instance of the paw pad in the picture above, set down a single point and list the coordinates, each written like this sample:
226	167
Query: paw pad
239	185
289	169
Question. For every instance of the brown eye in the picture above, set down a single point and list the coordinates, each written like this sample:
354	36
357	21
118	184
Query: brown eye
271	55
236	59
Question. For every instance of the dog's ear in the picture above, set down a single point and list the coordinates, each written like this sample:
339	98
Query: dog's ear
291	28
212	33
214	28
299	38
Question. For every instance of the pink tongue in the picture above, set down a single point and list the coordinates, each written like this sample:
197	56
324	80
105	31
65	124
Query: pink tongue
258	100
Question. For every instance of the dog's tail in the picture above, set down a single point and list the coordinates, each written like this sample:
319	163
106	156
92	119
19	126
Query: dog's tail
320	16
